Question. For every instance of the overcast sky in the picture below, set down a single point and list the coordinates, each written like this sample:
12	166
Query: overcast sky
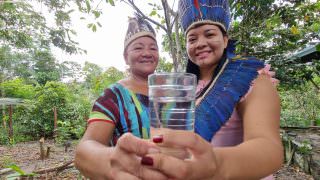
105	46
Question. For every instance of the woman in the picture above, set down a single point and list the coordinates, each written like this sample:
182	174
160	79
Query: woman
120	109
237	107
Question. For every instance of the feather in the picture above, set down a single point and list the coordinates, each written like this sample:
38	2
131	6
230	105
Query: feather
197	5
217	106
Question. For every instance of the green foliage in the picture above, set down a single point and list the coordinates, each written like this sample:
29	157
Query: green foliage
4	139
305	147
6	161
164	66
17	88
300	106
19	172
102	81
274	30
91	71
24	28
46	68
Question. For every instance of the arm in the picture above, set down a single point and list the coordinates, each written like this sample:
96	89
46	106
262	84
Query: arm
261	153
92	156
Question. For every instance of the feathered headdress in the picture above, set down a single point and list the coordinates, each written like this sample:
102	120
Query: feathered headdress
193	12
138	27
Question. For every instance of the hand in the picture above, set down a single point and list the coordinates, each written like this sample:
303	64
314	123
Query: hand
201	165
126	157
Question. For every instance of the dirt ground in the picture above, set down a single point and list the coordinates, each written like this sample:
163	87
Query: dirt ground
26	156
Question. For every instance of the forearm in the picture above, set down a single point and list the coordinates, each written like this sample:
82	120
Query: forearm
252	159
89	158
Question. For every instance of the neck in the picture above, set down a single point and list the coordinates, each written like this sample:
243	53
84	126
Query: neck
136	83
142	80
207	73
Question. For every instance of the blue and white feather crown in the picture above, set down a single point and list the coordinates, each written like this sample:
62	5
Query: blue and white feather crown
194	12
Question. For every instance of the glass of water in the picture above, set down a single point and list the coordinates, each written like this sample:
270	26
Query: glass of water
171	102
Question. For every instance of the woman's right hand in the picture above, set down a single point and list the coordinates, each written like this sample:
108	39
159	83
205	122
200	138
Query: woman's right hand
125	160
97	161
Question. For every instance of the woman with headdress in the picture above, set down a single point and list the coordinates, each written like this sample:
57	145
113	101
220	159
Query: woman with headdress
122	108
237	105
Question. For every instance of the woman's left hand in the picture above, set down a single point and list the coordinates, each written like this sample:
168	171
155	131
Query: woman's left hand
201	165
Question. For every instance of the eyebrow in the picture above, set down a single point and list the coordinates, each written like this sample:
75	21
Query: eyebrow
206	30
137	43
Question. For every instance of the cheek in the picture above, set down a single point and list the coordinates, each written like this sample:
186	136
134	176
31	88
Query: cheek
189	50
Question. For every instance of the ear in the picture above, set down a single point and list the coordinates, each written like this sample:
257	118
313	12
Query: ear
125	56
225	40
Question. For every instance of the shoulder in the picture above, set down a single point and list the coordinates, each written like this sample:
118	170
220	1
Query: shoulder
115	89
247	60
263	91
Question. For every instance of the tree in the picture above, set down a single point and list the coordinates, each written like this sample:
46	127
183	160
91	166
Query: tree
24	28
45	67
274	30
91	71
103	80
164	66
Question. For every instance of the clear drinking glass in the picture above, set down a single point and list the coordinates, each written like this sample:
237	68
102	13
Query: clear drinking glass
172	103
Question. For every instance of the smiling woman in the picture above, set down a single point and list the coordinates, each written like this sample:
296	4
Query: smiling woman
122	108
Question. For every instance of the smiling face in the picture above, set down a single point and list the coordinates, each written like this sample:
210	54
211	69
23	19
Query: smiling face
205	45
142	56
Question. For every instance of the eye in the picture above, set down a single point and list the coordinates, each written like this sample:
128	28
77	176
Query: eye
154	48
210	34
137	48
191	40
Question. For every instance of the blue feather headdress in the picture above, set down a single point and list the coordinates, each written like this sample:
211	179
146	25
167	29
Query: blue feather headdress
193	12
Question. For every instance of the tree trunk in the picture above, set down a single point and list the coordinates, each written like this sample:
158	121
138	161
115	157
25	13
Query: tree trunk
180	60
169	34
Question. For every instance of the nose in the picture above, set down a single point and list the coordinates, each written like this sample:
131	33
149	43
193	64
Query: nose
201	43
146	52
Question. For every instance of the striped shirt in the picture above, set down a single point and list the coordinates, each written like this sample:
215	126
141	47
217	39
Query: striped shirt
125	109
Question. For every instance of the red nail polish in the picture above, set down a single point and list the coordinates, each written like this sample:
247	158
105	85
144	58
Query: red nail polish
148	161
157	139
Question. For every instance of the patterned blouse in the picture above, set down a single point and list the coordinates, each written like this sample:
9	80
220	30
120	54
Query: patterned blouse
125	109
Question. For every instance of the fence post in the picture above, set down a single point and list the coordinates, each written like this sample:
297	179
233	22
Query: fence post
55	133
10	123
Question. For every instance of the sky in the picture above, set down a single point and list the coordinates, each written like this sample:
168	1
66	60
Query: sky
105	46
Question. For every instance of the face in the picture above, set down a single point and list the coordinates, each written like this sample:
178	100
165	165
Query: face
205	45
142	56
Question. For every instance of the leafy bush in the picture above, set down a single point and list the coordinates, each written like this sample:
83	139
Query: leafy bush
300	106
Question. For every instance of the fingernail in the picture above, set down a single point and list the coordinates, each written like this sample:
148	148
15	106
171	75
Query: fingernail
148	161
157	139
153	151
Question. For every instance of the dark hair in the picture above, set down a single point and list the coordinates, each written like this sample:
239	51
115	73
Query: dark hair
194	69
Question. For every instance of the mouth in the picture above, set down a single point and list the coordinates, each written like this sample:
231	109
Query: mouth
146	61
202	54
